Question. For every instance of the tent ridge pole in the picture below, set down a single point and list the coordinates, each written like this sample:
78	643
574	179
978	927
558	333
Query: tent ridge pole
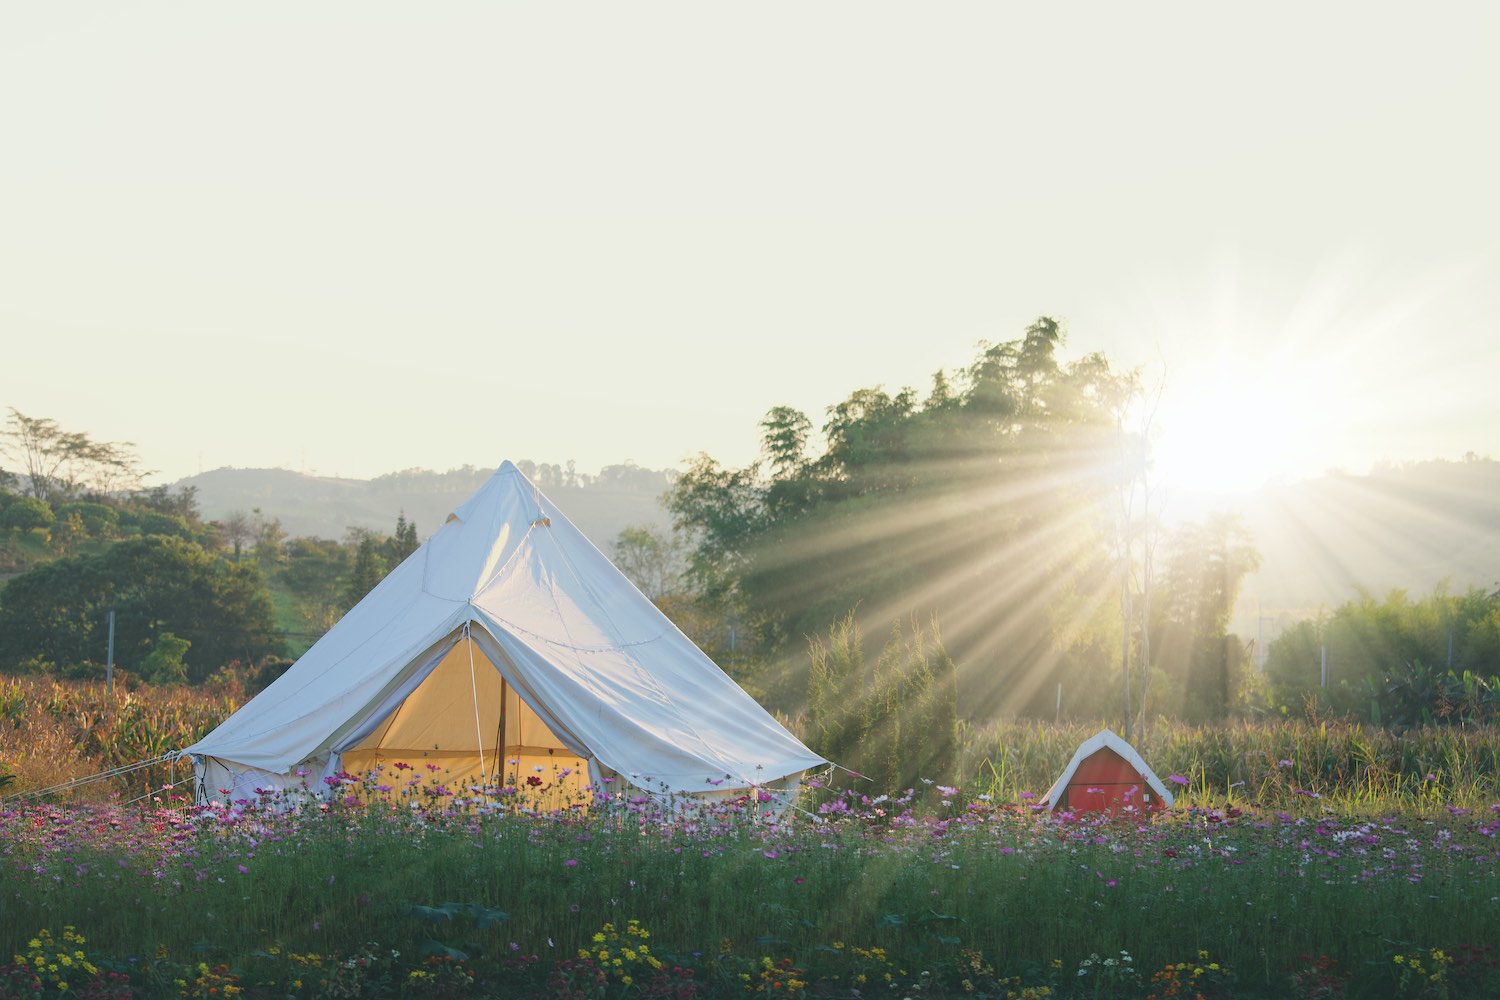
474	689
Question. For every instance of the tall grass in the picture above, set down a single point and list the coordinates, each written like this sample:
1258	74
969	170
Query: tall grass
53	731
1273	764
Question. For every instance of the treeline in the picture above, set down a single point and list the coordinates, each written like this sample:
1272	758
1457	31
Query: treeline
1395	661
100	565
625	476
1011	504
184	597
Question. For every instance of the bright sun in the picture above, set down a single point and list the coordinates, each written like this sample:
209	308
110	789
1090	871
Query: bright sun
1235	431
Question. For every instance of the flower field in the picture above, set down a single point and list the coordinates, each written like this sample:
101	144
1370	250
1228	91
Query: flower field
422	892
1303	860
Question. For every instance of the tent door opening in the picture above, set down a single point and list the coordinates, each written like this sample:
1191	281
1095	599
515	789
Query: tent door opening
461	729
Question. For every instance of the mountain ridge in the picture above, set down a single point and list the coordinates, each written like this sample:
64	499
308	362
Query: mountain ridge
329	507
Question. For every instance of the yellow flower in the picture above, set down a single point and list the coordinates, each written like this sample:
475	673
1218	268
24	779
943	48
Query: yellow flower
34	943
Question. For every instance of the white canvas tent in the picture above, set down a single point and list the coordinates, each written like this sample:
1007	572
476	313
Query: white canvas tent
506	646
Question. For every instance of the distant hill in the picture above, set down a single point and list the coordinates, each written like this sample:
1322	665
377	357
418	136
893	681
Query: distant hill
1408	526
618	497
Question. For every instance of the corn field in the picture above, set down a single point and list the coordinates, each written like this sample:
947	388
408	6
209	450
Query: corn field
55	731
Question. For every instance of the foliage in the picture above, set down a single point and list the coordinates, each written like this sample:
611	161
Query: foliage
53	731
895	721
58	612
1200	582
314	572
997	484
99	520
26	514
61	465
1277	764
404	542
651	558
1413	694
368	570
164	664
1382	658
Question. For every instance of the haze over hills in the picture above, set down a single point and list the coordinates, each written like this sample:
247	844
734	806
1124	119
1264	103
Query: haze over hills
1410	526
619	496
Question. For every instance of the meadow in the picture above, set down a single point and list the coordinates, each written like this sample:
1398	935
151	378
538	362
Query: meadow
1304	859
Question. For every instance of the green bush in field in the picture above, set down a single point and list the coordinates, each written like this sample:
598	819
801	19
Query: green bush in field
895	721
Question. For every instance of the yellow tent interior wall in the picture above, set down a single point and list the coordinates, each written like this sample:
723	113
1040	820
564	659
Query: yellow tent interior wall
464	727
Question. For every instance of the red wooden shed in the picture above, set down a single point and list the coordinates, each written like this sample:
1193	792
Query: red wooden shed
1107	775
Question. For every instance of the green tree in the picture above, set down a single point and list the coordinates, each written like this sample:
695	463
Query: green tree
164	664
651	558
985	502
367	571
316	572
26	513
181	502
238	530
270	536
98	520
1205	566
156	523
58	612
404	542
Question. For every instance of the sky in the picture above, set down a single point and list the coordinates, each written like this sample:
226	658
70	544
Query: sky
353	238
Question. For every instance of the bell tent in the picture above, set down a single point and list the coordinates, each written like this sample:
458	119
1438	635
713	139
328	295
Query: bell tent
1106	774
506	651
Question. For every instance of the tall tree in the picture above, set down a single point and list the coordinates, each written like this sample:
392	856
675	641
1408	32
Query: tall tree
1206	564
60	465
651	558
983	503
368	569
404	542
238	530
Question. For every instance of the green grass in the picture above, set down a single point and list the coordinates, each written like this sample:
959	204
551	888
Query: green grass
1026	898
